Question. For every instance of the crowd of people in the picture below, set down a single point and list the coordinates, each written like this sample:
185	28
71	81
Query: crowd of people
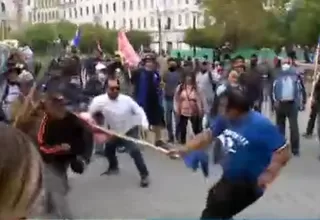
221	100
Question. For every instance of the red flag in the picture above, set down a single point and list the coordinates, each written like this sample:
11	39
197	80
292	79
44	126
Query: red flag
126	50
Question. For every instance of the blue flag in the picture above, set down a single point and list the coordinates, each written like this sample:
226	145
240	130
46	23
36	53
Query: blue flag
76	39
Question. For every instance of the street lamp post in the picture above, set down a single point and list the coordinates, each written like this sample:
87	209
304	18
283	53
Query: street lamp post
194	27
160	32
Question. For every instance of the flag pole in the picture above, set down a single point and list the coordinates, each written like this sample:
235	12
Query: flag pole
315	71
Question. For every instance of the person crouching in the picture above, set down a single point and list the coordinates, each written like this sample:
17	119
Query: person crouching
121	114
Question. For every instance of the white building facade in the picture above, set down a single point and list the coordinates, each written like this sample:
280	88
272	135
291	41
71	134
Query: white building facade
174	16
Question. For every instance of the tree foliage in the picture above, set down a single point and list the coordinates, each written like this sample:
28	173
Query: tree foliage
41	36
242	23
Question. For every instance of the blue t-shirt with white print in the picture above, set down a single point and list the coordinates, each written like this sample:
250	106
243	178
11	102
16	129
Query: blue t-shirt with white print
248	143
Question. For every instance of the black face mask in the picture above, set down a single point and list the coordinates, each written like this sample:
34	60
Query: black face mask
254	62
172	68
203	71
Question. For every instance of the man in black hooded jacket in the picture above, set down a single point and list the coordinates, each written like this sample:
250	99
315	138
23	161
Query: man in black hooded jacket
63	140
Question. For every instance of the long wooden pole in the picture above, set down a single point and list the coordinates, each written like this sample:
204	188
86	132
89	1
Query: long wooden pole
315	73
26	104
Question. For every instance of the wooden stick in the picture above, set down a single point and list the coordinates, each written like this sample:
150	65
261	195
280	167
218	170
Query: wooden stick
134	140
27	101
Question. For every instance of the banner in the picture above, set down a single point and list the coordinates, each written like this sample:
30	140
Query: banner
126	50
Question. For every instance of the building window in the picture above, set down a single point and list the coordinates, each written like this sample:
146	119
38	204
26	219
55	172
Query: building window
75	13
145	23
169	23
139	4
93	9
124	23
114	6
131	24
131	5
87	10
64	14
123	6
151	21
81	12
3	7
139	23
107	8
145	4
115	24
151	3
187	20
179	20
107	25
70	13
187	2
100	9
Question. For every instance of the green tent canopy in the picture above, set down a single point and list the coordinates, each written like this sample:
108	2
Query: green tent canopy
245	52
200	53
266	54
283	54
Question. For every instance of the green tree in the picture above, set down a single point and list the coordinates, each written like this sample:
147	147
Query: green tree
139	38
39	36
91	34
209	37
305	23
245	22
65	29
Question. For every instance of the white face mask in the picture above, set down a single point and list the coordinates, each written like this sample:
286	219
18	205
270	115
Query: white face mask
285	67
102	77
233	84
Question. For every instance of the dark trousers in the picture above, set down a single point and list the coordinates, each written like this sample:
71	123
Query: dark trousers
183	123
289	110
131	148
227	198
56	189
168	108
312	119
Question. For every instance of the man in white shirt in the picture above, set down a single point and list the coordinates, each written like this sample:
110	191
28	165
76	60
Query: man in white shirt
121	114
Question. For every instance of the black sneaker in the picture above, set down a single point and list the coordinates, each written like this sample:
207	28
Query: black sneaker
307	135
144	182
159	143
296	154
111	171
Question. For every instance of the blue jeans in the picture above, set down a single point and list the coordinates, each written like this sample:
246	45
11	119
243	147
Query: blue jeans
168	108
131	148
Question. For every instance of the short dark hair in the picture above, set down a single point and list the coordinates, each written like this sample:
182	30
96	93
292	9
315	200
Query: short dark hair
254	56
239	57
238	99
112	78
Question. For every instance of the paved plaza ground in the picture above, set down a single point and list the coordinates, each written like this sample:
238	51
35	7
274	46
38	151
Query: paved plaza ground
176	192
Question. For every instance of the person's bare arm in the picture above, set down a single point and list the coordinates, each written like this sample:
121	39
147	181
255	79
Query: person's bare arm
279	159
200	141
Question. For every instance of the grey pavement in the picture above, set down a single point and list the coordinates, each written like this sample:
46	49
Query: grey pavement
176	192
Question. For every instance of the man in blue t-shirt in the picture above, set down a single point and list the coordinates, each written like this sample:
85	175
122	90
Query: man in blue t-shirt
255	153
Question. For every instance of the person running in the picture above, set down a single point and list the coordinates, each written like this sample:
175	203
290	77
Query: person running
64	140
255	152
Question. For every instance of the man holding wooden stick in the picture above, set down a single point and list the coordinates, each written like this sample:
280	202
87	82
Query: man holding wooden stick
123	115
